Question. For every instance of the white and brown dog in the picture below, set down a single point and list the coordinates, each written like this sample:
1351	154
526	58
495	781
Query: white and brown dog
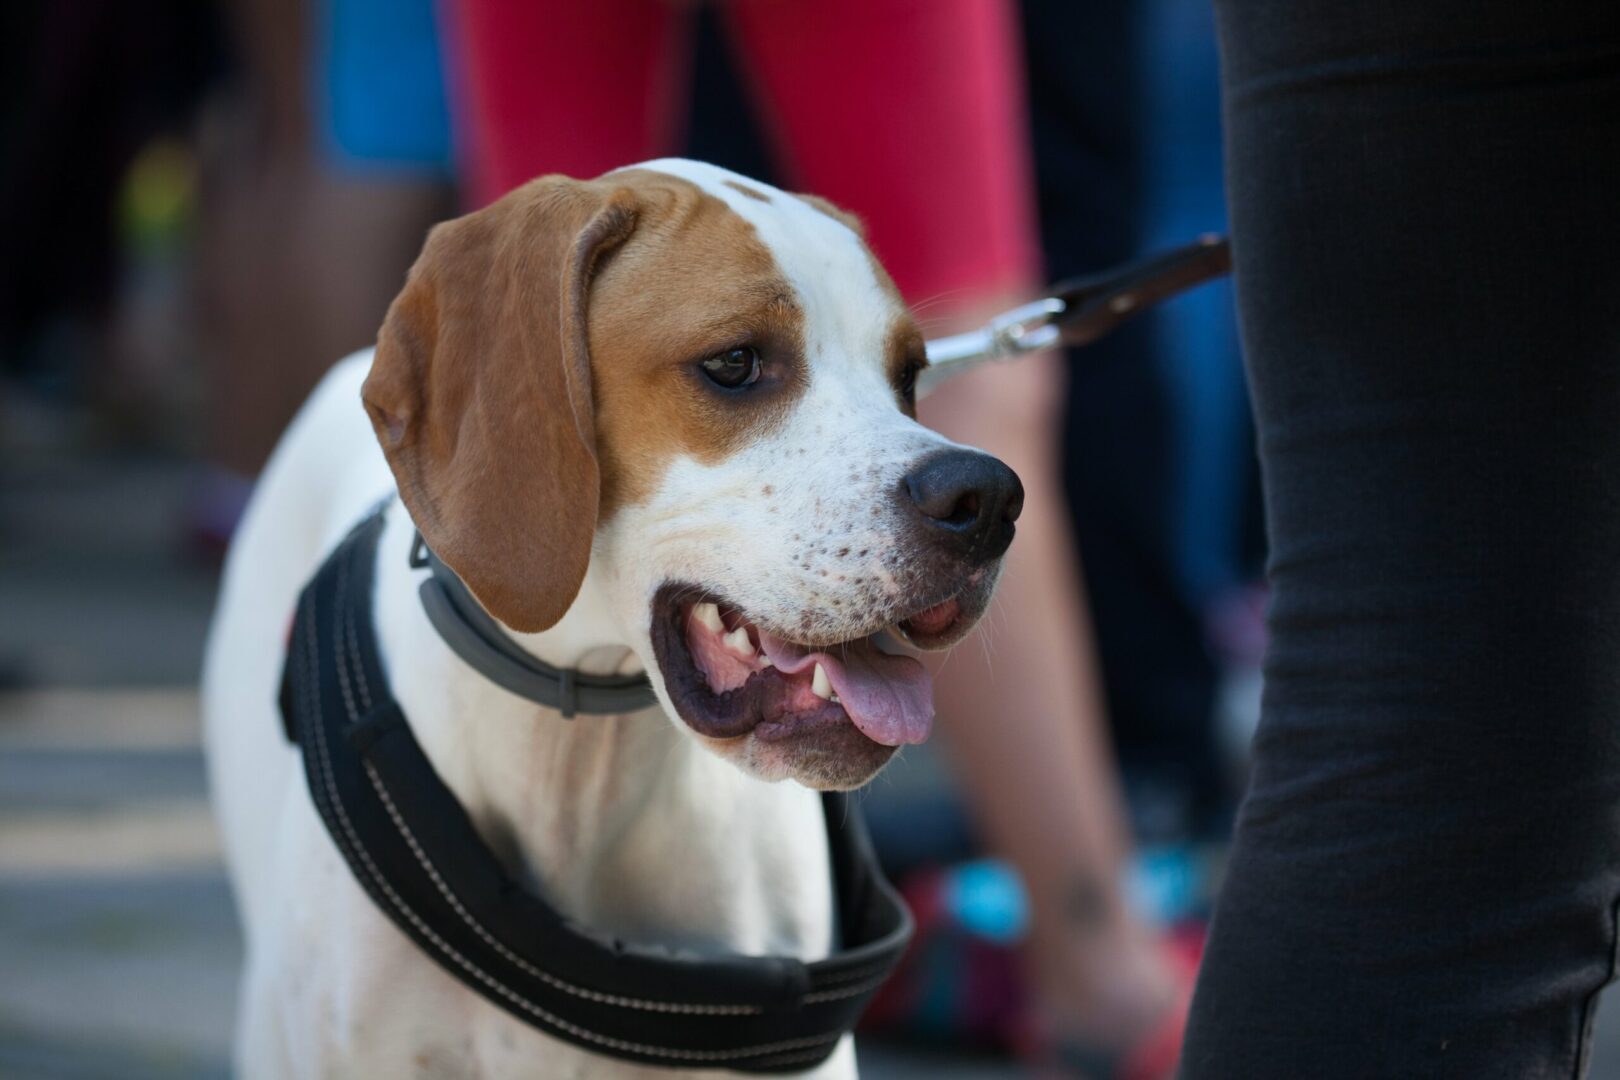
661	420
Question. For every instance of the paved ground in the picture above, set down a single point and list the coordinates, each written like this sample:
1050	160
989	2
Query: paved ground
117	942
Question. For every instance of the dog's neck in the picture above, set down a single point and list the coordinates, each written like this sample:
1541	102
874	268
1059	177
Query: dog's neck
623	822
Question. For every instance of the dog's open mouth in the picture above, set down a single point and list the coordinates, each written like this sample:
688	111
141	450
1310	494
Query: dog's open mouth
728	676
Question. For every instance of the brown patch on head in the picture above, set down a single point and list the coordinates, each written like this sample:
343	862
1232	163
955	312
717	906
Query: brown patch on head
695	280
752	193
838	214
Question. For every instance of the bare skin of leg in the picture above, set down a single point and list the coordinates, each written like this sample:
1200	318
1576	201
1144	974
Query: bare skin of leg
1020	709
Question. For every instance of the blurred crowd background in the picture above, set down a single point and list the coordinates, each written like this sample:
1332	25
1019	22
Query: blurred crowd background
206	204
200	210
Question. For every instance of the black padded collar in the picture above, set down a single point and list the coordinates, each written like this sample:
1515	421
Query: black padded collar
477	638
412	847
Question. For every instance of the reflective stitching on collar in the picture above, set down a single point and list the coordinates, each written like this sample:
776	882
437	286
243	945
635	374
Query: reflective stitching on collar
525	966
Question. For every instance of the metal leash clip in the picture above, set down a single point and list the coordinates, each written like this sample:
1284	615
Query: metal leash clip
1079	311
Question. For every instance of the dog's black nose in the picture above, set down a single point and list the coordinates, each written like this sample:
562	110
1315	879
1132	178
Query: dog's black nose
968	501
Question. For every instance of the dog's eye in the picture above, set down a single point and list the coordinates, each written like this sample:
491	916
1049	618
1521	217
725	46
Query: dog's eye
908	383
734	368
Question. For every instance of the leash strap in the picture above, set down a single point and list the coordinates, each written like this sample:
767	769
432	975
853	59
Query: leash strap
412	847
1079	310
1094	305
474	635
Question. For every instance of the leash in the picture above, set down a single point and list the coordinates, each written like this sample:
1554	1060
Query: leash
1080	310
411	845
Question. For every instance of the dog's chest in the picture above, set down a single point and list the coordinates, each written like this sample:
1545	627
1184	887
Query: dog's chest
357	998
623	824
623	838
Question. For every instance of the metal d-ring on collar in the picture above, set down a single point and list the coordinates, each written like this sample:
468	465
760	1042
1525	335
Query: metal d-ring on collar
1079	311
474	635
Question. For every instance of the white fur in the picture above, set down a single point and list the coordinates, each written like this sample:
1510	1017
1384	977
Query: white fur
630	824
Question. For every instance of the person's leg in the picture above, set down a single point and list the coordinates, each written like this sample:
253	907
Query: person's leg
910	114
1020	710
1425	872
561	86
1090	76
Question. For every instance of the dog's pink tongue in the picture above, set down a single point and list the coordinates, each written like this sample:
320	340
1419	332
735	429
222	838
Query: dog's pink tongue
890	698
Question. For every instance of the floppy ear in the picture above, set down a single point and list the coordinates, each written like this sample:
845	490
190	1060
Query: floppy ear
480	393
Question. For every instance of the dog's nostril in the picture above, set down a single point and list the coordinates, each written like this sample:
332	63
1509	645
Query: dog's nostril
1015	504
941	499
966	511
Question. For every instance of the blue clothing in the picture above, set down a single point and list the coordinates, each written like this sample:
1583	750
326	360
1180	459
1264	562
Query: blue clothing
379	89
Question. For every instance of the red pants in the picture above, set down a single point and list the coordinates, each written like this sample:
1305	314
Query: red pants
908	112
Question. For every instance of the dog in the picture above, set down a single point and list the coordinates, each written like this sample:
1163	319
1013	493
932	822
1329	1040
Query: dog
660	421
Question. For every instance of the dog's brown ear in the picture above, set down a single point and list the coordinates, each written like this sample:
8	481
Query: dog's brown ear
480	393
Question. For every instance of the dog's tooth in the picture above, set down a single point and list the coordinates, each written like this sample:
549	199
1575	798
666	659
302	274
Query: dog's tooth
738	642
820	685
708	617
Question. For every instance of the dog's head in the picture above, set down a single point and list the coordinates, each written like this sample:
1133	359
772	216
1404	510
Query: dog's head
702	388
